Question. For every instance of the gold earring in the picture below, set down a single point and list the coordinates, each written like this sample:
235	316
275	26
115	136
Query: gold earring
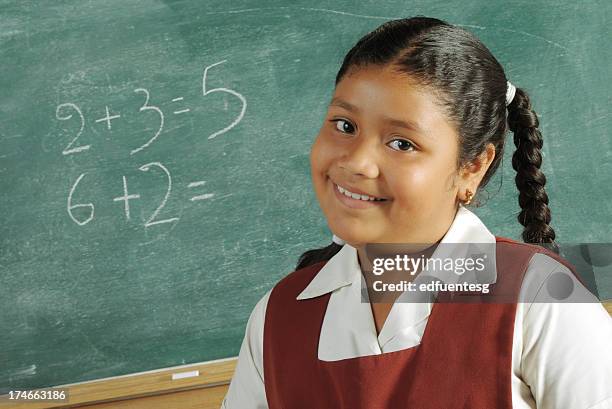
469	195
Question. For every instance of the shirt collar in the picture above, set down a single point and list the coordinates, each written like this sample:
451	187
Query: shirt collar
343	268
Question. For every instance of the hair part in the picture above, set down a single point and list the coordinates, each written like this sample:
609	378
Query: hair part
470	87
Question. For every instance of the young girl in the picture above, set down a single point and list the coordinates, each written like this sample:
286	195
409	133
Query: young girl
415	129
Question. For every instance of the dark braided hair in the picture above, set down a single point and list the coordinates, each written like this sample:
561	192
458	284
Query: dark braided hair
526	161
470	87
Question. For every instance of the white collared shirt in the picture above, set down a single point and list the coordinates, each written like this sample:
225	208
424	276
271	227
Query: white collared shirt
561	353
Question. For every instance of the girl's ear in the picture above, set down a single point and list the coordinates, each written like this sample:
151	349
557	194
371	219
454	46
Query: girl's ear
472	173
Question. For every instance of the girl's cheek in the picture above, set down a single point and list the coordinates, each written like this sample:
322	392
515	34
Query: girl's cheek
318	161
409	185
315	151
322	152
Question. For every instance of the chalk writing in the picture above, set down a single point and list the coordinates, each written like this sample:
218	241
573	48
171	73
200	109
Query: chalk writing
150	222
108	118
229	91
72	207
126	198
66	111
200	197
68	149
147	107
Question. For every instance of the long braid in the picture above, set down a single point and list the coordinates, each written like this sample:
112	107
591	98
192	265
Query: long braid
526	161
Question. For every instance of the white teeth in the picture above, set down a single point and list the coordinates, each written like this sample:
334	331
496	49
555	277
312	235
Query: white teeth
357	196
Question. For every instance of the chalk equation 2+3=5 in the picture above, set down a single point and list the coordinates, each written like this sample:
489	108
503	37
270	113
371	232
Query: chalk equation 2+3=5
65	111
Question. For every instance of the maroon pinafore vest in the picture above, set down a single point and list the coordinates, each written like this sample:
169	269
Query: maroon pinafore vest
464	359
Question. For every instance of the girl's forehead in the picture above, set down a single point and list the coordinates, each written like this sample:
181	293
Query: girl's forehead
388	95
386	76
376	85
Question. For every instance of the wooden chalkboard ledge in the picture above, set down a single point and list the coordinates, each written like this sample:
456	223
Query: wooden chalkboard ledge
151	389
155	389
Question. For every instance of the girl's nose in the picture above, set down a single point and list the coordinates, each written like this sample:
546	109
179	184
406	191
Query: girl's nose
360	158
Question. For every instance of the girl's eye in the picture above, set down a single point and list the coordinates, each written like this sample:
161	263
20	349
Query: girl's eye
401	145
342	128
398	144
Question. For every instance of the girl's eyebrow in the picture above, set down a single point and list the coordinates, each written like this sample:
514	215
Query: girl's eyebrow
395	122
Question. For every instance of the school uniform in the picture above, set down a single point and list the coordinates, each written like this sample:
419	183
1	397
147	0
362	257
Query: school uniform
311	342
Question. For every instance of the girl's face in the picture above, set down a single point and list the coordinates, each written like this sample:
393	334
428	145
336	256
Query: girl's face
409	168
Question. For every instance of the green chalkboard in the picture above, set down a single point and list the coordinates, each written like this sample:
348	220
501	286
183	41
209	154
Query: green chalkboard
154	171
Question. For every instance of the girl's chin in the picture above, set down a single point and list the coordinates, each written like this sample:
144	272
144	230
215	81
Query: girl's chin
354	235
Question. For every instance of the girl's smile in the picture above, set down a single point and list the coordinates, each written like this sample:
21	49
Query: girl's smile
356	198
